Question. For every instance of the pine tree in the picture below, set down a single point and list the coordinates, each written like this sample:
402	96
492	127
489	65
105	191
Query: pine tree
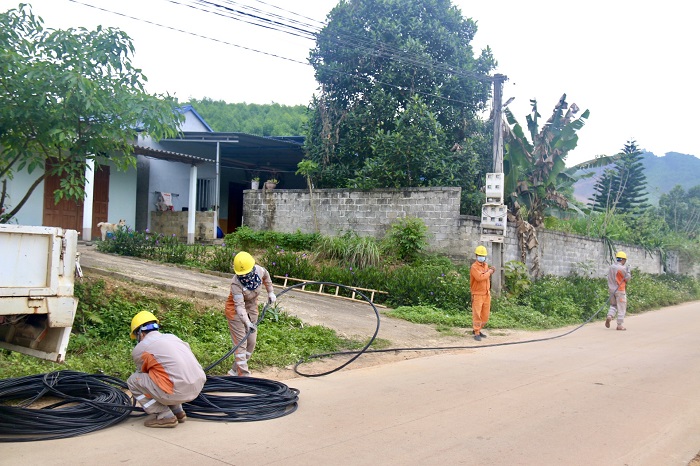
622	188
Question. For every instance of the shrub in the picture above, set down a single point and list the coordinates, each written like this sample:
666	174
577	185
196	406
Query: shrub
407	238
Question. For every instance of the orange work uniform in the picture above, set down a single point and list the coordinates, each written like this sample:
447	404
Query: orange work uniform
480	287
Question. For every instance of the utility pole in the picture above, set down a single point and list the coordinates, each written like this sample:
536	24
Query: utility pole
498	278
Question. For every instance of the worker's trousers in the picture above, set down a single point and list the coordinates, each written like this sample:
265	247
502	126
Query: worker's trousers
618	305
238	332
149	395
481	309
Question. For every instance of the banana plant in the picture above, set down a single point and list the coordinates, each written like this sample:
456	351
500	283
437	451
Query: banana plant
535	168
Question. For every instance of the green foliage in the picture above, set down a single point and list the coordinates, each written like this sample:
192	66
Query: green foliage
383	119
258	119
105	346
350	248
517	278
284	263
623	187
407	238
681	210
245	238
535	169
70	96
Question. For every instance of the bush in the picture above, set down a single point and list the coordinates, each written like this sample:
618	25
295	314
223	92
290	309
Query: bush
407	238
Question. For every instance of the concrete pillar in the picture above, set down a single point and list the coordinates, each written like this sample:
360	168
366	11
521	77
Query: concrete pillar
89	199
192	206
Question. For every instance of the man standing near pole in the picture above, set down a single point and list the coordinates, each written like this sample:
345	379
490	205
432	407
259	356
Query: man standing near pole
480	287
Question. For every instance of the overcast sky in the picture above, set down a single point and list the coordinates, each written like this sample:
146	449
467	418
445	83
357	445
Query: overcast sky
631	63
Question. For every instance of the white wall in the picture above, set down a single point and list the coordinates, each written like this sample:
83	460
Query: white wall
168	177
32	212
122	196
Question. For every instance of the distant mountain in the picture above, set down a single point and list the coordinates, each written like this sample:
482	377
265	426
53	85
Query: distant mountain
663	173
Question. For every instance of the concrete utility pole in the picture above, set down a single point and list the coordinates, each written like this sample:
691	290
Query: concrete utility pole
497	278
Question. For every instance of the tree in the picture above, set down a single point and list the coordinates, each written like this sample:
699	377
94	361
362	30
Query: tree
622	188
535	169
394	73
681	210
69	96
259	119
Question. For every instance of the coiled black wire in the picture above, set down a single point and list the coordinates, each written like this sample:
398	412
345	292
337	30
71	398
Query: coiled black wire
263	399
87	403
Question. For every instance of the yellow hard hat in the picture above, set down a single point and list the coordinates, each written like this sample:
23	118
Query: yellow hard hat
243	263
621	255
141	318
481	251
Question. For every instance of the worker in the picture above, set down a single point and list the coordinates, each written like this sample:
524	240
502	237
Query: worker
242	308
618	276
480	287
167	373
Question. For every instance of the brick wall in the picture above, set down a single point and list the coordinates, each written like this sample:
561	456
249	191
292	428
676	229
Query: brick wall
371	212
171	223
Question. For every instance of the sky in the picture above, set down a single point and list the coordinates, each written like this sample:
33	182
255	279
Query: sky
630	63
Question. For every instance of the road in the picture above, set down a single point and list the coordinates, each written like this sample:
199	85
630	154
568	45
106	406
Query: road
594	397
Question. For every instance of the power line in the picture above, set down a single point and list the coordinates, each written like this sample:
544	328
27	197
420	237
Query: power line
236	12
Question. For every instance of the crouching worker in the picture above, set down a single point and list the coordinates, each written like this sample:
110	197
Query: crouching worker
242	308
167	373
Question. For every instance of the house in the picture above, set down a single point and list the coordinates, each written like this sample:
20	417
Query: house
201	171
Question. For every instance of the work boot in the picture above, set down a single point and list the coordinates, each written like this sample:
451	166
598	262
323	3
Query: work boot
165	422
181	416
477	337
607	321
483	335
232	373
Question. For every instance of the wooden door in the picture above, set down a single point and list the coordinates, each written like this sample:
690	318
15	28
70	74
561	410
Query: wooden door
68	214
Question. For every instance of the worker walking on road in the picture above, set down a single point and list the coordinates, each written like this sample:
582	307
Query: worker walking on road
618	276
242	308
480	287
167	373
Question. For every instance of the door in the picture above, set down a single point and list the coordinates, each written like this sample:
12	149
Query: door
68	214
235	206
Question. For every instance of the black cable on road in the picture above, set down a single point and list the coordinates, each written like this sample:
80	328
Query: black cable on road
364	350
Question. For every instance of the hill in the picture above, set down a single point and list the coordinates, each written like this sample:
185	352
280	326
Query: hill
663	173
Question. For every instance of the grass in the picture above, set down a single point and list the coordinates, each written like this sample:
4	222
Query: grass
101	343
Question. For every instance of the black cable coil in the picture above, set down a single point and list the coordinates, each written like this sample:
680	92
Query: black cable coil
87	403
92	402
264	399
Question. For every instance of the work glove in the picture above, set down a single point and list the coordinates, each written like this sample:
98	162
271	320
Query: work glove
251	327
271	298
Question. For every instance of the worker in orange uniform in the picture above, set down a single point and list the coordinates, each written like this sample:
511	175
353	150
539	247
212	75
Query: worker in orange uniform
480	286
618	276
242	308
167	373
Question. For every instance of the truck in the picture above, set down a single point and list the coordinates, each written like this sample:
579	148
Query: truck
38	266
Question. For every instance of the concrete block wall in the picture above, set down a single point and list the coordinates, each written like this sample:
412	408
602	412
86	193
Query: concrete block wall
170	223
371	212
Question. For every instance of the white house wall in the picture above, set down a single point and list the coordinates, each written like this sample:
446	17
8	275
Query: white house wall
32	212
168	177
122	196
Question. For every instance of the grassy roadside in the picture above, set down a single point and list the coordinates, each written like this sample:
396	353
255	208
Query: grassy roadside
100	342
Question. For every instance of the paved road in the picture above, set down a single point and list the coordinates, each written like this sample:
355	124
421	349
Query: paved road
595	397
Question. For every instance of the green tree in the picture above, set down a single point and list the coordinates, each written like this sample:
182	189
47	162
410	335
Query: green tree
69	96
681	210
622	188
392	72
259	119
